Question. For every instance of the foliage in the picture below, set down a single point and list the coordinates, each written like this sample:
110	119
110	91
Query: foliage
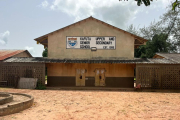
45	52
163	35
170	22
175	4
159	43
132	29
146	2
40	86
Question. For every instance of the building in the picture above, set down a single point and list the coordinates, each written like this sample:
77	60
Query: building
87	40
4	54
94	53
171	56
6	68
162	72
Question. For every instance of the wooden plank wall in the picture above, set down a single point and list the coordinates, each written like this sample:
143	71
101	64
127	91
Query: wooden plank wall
111	70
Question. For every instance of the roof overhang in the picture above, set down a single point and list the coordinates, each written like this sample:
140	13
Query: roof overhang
90	61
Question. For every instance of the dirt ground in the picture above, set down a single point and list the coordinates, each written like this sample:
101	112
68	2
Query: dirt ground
98	105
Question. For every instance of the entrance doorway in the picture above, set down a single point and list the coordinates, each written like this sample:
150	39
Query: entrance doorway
100	77
80	77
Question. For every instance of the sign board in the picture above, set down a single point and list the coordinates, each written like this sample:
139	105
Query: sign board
91	42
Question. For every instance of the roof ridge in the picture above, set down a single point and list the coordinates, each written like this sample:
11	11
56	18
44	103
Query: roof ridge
167	53
43	36
63	27
9	53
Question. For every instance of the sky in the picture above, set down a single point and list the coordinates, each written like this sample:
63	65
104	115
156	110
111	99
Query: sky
21	21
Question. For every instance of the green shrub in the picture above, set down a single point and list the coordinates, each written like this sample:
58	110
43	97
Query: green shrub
40	86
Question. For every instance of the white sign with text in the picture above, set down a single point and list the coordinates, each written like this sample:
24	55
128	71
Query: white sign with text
91	42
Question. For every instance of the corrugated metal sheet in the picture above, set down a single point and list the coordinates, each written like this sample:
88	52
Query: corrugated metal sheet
132	61
48	60
161	61
171	56
4	54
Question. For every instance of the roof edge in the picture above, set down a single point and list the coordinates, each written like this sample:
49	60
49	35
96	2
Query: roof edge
46	35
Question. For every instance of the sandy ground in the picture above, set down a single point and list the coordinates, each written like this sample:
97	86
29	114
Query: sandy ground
98	105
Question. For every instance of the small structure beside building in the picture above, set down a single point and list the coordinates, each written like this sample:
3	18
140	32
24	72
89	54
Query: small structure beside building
4	54
11	72
163	72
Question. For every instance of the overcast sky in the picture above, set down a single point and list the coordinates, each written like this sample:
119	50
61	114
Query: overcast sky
21	21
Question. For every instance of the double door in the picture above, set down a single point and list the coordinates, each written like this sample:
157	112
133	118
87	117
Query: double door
99	77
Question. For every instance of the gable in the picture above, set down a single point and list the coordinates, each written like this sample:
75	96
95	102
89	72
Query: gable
44	39
57	42
171	56
4	54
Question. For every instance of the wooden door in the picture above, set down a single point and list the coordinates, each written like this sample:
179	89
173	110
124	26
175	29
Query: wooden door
80	77
100	77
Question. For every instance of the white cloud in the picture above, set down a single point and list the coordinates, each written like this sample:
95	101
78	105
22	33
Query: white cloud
44	4
112	11
4	37
30	49
167	2
115	12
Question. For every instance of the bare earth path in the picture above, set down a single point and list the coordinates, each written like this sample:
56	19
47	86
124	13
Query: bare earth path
98	105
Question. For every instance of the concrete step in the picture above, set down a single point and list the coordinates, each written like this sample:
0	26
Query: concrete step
91	88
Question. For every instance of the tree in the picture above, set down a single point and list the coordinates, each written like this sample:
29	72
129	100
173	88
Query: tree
170	21
146	2
139	2
175	4
163	35
45	52
132	29
168	24
159	43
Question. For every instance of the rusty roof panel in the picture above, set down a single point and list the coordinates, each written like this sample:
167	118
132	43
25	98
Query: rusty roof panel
4	54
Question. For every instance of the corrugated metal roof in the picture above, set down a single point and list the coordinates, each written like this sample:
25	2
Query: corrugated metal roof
48	60
161	61
132	61
171	56
4	54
